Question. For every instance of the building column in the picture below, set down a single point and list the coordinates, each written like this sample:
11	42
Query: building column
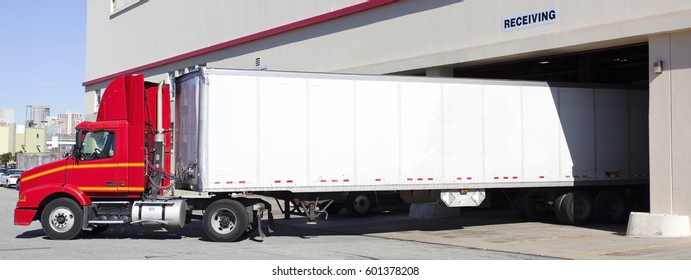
670	135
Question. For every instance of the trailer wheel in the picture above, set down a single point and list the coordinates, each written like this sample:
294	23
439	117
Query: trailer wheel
612	207
62	218
574	208
225	220
359	204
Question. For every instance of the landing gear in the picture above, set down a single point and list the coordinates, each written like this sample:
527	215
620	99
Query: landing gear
62	219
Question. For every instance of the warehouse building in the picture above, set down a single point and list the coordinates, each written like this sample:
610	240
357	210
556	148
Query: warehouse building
628	43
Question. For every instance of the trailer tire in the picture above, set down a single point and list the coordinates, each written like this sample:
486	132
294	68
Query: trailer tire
359	204
612	207
61	219
574	208
225	220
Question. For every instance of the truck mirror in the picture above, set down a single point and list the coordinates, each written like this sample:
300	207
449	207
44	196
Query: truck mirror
75	152
77	145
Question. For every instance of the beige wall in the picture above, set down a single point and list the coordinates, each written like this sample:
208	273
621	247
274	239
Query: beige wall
31	138
7	133
670	125
156	30
405	35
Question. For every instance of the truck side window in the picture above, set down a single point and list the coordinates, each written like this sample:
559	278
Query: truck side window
98	145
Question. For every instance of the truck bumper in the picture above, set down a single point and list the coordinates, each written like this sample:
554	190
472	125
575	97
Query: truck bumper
24	217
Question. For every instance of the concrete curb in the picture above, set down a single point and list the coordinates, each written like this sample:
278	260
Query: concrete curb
658	225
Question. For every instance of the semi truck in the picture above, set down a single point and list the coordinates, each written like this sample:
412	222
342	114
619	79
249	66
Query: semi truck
161	155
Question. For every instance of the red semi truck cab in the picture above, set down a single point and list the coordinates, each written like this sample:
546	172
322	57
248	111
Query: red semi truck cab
108	164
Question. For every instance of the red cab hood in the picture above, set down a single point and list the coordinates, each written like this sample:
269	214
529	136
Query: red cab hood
53	172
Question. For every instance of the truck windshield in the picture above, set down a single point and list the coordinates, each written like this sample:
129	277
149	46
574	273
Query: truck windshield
98	145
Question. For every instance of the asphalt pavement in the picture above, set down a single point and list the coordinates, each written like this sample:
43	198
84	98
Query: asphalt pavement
386	234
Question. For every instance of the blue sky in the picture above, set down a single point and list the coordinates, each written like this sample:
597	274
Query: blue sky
42	50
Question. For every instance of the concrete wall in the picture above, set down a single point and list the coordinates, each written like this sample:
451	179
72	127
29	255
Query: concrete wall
405	35
155	30
670	126
28	161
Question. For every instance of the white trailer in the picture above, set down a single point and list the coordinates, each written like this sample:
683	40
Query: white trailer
303	133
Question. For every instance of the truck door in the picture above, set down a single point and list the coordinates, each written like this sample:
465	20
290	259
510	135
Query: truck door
96	171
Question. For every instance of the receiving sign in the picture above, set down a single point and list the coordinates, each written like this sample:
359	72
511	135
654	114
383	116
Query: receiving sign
532	19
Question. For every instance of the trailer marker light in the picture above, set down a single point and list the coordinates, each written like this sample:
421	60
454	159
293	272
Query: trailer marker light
241	182
542	177
229	182
346	180
334	181
322	180
515	177
217	183
277	181
506	177
289	181
410	179
459	178
377	180
496	178
469	178
430	179
419	179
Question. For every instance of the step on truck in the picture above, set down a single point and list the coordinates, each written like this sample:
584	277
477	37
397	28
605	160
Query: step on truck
159	155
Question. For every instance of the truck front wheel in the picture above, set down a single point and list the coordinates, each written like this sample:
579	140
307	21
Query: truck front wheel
62	219
225	220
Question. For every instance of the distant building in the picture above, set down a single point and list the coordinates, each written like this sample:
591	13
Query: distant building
7	138
68	121
52	125
36	116
6	116
30	139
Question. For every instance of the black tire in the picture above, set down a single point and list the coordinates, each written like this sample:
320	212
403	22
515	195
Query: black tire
612	207
562	211
62	219
225	220
574	208
359	204
531	205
